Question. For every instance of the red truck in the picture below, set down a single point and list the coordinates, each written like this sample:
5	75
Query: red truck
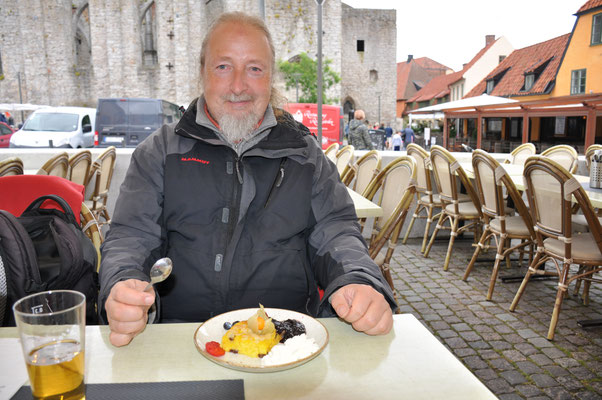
332	120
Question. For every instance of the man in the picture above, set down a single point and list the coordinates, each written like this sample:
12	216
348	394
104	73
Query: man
359	137
408	134
243	201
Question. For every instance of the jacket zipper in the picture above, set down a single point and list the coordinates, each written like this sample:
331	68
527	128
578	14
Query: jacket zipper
277	181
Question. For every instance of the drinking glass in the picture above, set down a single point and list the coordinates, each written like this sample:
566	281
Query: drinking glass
52	329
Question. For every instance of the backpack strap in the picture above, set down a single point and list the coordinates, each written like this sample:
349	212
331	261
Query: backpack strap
37	205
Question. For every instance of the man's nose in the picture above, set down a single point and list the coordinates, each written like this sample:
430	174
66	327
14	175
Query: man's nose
239	81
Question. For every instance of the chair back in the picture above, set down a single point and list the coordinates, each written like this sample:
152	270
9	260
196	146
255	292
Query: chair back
57	165
564	155
490	180
446	170
91	228
423	169
79	167
11	166
102	173
363	170
589	153
519	155
331	152
344	158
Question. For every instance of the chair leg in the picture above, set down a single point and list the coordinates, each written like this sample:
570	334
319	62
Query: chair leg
523	285
450	246
521	253
419	207
434	235
475	255
558	303
496	268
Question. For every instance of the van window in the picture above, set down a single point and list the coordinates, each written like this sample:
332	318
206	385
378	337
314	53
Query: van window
144	113
112	113
53	122
86	120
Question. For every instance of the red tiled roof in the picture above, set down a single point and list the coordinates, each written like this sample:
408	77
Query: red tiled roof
419	71
439	86
589	5
526	60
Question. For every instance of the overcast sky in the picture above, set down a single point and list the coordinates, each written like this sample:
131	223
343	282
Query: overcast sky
451	32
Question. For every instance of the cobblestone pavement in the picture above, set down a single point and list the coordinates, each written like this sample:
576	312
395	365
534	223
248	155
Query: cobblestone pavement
507	351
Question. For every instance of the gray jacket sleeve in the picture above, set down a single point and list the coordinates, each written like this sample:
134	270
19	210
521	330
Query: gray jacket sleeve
338	251
135	238
366	136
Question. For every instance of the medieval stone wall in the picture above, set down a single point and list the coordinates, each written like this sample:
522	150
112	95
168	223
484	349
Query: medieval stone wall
372	73
72	52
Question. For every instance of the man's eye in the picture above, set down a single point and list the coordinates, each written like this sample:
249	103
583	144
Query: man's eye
222	67
255	69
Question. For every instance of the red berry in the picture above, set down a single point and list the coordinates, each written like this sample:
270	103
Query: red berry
214	349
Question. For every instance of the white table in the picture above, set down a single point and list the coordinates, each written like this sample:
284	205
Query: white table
408	363
364	208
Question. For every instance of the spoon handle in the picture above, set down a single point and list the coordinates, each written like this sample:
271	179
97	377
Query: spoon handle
150	284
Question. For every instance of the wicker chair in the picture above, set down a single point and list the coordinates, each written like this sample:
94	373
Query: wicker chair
344	159
331	152
447	169
57	165
79	167
102	173
490	181
550	189
589	153
363	170
519	155
396	185
11	166
565	155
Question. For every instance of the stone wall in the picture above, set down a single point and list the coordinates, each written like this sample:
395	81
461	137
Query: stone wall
74	52
368	73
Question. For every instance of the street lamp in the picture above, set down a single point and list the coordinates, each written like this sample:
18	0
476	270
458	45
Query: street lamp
296	76
319	3
378	94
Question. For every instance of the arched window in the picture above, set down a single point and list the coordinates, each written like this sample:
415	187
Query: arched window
148	30
349	108
83	49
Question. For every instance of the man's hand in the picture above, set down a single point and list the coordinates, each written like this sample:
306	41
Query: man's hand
127	310
363	307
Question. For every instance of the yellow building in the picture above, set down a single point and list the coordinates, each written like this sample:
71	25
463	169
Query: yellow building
581	67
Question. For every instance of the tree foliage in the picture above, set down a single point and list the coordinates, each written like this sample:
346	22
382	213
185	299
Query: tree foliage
305	72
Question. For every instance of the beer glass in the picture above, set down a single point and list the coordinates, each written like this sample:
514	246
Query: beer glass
52	329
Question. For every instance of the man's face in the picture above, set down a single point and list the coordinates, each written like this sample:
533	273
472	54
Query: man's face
237	72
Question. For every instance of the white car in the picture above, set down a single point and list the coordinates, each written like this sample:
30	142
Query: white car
57	127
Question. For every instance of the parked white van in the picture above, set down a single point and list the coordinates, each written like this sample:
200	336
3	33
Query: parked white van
57	127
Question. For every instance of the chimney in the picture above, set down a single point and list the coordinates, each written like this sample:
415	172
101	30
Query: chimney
410	57
489	39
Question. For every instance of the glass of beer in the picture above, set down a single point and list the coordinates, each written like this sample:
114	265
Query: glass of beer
52	328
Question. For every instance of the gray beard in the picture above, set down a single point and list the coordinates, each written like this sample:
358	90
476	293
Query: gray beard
236	129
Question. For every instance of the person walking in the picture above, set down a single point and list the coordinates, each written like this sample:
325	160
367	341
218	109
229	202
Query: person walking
408	136
396	141
359	137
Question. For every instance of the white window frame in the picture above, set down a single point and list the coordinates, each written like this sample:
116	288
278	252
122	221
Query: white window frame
578	77
529	81
596	29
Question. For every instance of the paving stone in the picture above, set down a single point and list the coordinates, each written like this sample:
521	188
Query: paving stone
456	343
461	327
485	374
501	364
570	382
567	362
514	355
474	362
582	373
540	342
543	380
470	336
541	359
558	393
582	395
510	396
529	391
506	317
527	333
499	386
528	367
479	345
556	370
513	377
526	348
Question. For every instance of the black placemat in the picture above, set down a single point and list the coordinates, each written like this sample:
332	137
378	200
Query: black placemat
211	390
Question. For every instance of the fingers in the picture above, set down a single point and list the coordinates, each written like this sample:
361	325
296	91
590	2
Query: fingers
127	310
364	307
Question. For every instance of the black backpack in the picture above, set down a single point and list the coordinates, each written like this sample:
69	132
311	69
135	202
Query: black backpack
45	249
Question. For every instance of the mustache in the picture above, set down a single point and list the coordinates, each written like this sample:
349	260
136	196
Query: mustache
234	98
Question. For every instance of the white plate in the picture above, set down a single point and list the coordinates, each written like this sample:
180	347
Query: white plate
213	330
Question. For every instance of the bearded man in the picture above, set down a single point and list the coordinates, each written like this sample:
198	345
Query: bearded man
243	200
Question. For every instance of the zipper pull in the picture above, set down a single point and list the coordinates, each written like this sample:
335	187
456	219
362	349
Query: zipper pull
238	173
277	181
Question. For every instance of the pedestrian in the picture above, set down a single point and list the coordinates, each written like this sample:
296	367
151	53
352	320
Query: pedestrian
3	118
359	137
396	141
408	136
243	200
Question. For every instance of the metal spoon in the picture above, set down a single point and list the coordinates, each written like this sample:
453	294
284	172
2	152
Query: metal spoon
159	272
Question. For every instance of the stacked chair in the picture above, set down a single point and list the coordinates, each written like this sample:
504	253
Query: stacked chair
550	188
498	223
331	152
426	200
344	158
455	209
79	167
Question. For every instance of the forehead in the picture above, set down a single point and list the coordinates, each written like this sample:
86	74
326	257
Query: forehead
239	40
